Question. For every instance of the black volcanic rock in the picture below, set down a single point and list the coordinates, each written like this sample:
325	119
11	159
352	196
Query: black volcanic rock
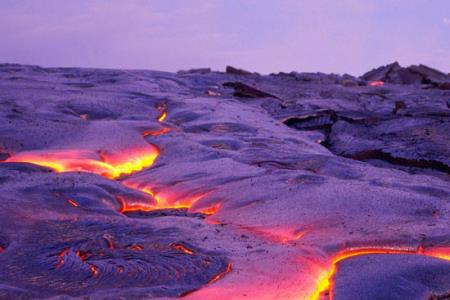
243	90
394	73
195	71
235	71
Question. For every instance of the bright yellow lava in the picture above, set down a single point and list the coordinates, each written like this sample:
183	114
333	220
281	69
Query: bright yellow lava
111	167
162	117
162	202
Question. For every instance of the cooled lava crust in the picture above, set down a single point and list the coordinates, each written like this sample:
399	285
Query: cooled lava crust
126	184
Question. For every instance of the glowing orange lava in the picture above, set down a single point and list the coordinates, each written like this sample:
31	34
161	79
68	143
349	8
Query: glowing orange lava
109	166
162	202
71	202
163	116
136	247
93	269
211	210
183	248
376	83
83	255
220	275
325	284
112	166
61	258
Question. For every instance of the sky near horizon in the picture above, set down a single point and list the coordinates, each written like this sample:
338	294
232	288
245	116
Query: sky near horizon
346	36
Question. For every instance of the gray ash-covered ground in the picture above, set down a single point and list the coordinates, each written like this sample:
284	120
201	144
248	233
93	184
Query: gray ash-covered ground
212	185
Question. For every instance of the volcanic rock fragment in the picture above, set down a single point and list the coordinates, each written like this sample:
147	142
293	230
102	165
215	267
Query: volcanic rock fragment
418	143
236	71
421	74
195	71
318	120
243	90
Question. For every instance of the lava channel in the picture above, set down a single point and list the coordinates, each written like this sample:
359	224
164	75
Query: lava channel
324	284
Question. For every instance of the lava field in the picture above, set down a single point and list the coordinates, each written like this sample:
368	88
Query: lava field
135	184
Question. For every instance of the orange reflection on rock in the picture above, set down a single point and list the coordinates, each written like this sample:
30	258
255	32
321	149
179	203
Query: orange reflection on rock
275	235
161	131
136	247
324	283
108	165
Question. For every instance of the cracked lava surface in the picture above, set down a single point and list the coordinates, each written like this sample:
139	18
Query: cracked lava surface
145	184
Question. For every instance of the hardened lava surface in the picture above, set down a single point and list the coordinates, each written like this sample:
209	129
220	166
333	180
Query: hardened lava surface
128	184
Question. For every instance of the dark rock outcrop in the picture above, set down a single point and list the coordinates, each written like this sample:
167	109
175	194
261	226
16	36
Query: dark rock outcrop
235	71
420	74
243	90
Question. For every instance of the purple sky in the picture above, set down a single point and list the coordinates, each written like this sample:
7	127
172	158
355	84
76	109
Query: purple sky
350	36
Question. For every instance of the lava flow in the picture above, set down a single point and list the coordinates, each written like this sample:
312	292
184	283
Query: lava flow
112	166
376	83
163	202
325	284
109	166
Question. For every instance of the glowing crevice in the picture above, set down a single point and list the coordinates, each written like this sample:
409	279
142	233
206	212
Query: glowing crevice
324	283
72	202
220	275
163	116
376	83
183	248
61	258
93	269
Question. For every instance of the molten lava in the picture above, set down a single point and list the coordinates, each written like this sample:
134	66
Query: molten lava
61	258
162	202
163	116
376	83
71	202
211	210
136	247
220	275
93	269
325	283
183	248
112	166
109	166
